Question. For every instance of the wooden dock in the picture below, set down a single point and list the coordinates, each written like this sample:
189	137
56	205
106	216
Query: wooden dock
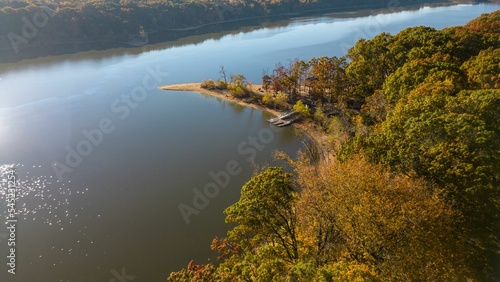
285	119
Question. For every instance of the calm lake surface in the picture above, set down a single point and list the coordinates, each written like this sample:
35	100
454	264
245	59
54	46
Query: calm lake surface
104	159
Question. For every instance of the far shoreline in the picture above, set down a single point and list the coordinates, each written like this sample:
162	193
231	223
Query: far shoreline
41	49
319	138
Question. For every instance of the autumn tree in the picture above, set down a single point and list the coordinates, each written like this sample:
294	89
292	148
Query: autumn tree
374	111
302	109
486	23
328	78
266	81
394	226
301	69
238	86
483	70
278	78
194	273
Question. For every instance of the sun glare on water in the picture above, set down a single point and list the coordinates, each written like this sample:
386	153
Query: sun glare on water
39	197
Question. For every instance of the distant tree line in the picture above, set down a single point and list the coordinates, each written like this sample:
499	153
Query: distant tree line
28	23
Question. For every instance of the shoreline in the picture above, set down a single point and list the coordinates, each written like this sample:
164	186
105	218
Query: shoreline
307	128
196	87
67	46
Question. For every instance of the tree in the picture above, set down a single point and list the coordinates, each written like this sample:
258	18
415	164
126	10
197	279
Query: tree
278	78
486	23
437	68
222	72
208	84
445	138
301	69
302	109
238	79
329	77
359	213
376	108
264	214
417	43
194	273
281	101
238	86
266	82
483	70
451	140
369	65
268	100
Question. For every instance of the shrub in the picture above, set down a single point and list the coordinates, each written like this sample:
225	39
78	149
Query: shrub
281	101
268	100
220	84
302	109
238	91
208	84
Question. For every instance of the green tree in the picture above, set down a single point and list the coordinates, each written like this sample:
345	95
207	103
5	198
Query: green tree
370	64
265	215
451	140
437	68
417	43
483	70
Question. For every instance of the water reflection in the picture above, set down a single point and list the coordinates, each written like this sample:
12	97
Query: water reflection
40	196
214	32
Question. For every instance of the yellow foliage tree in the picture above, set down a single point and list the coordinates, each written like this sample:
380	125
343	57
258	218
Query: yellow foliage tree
302	109
361	213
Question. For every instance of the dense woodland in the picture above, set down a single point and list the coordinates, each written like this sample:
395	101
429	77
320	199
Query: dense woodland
412	193
45	23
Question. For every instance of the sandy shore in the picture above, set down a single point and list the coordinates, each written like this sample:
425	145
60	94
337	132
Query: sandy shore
317	136
196	87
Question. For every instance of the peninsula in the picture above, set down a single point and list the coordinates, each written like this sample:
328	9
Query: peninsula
257	92
412	120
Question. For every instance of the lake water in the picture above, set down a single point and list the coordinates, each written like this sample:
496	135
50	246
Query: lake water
104	159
